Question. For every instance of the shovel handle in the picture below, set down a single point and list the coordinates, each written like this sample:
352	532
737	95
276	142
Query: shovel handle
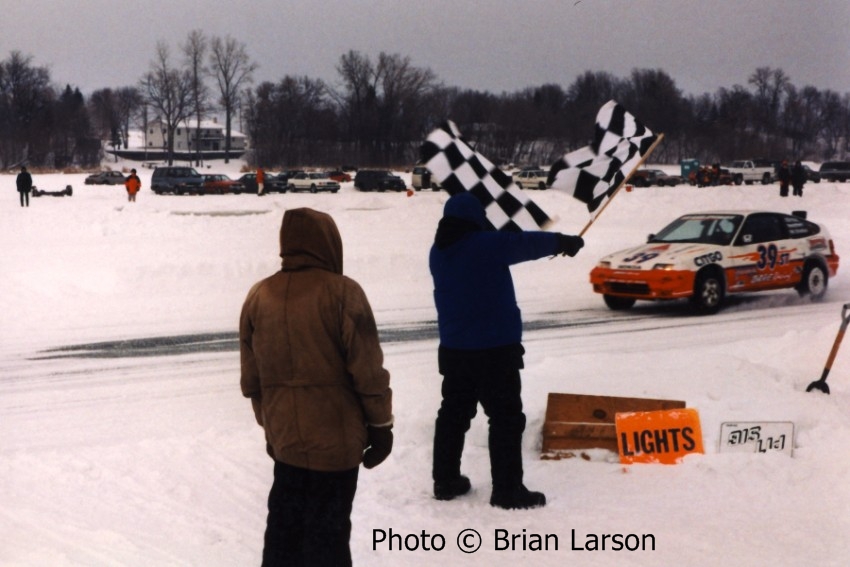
845	320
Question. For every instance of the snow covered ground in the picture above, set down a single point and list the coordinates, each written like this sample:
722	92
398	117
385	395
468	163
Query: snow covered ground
124	439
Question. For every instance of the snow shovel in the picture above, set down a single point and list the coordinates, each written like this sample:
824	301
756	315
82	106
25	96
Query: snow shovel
821	384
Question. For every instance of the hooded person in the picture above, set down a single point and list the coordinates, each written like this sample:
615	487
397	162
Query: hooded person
312	365
480	352
132	184
24	184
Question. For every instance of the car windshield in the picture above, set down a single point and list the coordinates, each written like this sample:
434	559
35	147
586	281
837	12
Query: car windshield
702	229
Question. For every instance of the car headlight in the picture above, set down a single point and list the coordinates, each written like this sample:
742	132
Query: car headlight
665	267
604	264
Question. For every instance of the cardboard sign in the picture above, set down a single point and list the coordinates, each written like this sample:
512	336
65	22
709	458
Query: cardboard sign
575	422
658	436
757	437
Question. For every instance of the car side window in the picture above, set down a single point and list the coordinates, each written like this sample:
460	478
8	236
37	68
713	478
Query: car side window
799	228
761	228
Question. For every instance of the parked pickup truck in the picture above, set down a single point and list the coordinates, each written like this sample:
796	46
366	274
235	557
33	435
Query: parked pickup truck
749	172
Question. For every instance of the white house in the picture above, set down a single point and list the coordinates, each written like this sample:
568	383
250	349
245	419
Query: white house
188	138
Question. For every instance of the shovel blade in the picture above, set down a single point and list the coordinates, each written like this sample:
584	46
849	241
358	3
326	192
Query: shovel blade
819	385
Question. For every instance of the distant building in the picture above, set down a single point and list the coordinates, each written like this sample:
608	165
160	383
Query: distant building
188	138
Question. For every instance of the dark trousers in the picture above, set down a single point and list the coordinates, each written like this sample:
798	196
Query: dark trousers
490	377
25	198
309	522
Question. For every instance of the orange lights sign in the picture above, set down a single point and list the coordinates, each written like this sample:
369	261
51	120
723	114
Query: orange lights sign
664	436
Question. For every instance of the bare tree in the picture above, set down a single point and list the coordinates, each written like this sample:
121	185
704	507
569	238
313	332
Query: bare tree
25	101
103	109
232	69
195	51
128	102
110	113
770	85
168	90
383	104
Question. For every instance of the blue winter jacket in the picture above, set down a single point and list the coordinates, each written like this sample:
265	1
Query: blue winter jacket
473	289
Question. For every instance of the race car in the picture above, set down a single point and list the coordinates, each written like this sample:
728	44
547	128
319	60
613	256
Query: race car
706	256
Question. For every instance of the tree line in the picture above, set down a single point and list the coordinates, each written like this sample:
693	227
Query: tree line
380	109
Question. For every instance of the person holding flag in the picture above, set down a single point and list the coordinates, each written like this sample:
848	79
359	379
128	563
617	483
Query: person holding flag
480	352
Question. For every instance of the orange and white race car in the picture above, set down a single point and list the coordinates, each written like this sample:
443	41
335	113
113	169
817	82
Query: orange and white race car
705	256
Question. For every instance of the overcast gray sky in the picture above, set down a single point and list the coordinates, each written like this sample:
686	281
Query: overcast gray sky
491	45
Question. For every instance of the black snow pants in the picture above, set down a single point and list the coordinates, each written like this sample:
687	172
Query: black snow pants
490	377
309	522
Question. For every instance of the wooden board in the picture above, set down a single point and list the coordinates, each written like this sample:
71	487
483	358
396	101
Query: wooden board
575	421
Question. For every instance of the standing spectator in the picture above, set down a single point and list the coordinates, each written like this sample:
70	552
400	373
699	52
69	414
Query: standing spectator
132	184
261	180
798	178
313	368
24	183
784	175
480	352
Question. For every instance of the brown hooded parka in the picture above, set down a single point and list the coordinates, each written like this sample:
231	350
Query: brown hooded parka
311	361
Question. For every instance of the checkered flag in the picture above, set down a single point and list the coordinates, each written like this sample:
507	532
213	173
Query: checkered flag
458	168
593	173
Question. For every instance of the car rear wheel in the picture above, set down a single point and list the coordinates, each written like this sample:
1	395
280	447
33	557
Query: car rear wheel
617	303
814	282
313	188
709	292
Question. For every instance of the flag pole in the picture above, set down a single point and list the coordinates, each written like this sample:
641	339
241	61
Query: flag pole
623	182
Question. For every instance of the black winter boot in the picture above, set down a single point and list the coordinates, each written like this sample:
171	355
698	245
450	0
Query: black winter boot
518	498
449	489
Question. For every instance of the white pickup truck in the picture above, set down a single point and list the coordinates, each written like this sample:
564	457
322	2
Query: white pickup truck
749	172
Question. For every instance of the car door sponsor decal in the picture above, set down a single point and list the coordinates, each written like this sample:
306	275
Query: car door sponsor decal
710	258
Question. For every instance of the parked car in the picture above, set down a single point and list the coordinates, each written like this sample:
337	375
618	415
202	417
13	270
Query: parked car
313	182
218	184
421	178
706	256
378	180
339	176
835	171
648	177
811	174
531	179
176	179
106	178
272	183
667	180
276	182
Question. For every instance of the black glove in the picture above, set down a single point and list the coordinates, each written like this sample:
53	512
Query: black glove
380	446
569	245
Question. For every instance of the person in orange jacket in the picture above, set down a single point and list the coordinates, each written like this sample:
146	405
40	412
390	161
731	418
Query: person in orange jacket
261	180
132	184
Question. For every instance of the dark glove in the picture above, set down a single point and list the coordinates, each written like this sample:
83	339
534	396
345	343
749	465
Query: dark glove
380	446
569	245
